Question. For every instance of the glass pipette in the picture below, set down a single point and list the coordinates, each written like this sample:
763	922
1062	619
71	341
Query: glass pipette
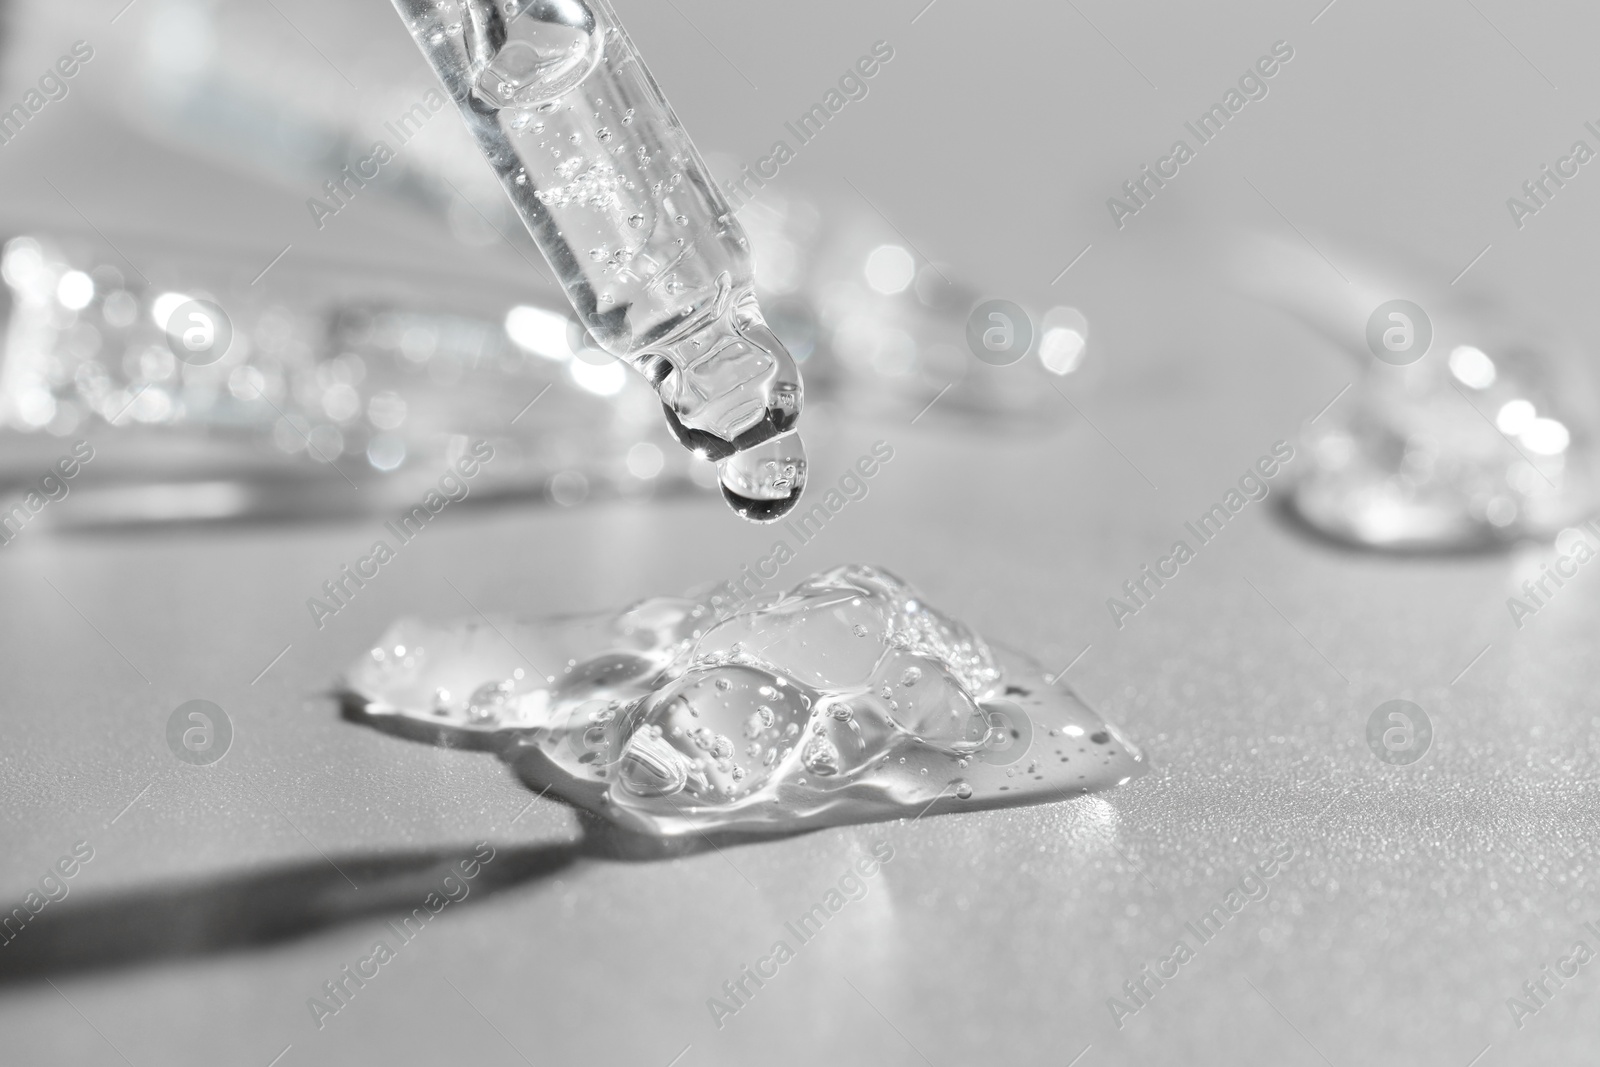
629	218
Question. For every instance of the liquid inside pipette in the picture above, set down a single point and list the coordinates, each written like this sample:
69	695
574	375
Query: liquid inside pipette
642	242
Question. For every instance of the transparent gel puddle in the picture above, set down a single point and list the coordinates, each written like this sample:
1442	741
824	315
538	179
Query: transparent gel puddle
1490	434
1463	450
847	699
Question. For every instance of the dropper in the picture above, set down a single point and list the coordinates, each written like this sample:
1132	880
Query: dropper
626	213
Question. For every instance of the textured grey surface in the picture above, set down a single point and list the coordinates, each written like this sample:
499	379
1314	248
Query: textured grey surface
1417	900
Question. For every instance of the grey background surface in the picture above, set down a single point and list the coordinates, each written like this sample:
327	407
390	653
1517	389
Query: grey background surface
1418	900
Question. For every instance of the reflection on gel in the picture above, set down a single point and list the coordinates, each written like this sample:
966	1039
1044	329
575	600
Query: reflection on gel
847	699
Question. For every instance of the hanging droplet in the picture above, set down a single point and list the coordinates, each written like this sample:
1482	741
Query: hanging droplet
764	482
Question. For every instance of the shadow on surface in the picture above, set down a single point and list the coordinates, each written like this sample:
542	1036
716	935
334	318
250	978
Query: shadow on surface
1291	517
185	920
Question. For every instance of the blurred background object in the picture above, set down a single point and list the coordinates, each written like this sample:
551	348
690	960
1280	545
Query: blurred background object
354	377
1469	426
329	399
326	389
